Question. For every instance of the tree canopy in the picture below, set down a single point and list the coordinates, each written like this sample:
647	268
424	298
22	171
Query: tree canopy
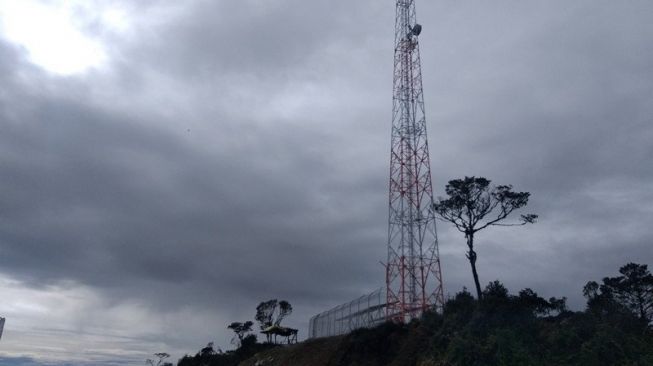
633	290
241	330
272	312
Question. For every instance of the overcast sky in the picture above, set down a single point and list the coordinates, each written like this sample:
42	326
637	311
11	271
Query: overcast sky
166	165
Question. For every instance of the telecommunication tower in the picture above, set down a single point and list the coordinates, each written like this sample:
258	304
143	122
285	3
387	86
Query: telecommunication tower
413	274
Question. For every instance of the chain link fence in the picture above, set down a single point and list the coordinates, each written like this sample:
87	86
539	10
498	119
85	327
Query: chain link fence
365	312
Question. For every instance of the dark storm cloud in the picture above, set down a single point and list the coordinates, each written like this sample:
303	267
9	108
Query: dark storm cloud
124	200
266	40
231	197
560	108
100	198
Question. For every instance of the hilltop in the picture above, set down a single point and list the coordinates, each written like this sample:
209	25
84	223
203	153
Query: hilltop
500	329
496	332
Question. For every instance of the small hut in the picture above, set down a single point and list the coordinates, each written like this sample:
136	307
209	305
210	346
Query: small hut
276	330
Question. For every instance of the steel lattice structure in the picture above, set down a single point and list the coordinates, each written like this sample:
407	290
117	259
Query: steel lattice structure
413	274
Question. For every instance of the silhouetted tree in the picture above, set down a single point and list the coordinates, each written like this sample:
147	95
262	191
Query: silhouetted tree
496	290
208	351
601	301
539	306
161	356
632	290
241	330
285	309
591	290
265	313
558	305
473	205
248	341
529	299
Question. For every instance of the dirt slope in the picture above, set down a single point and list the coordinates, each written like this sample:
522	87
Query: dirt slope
318	352
389	344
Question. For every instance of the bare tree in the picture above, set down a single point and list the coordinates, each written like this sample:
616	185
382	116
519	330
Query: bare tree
473	205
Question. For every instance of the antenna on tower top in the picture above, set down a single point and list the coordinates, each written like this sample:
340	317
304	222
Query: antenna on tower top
416	30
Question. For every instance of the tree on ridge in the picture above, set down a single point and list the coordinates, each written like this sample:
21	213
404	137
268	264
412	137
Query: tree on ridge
240	330
633	290
473	205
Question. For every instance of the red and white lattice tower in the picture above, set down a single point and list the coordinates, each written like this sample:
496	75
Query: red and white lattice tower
413	274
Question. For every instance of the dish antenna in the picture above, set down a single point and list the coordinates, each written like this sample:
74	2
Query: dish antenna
417	29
